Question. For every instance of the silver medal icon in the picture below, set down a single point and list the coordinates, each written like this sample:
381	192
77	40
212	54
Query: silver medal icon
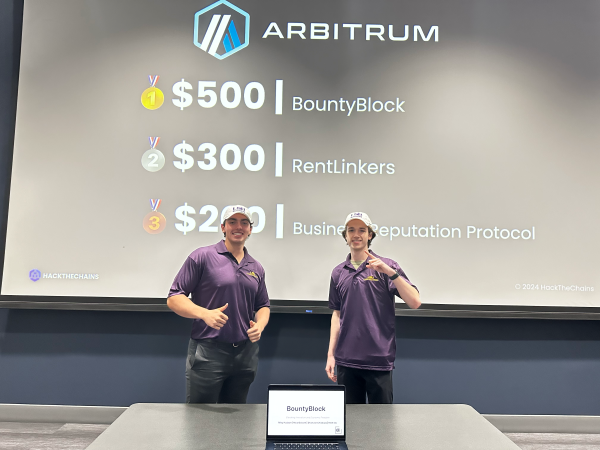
153	160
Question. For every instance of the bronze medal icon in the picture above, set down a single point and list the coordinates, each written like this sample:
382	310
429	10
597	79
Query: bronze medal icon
154	222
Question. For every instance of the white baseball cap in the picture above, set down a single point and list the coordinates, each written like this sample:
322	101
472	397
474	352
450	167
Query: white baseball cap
360	216
236	209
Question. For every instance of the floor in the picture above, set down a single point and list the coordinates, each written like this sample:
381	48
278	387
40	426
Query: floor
555	441
48	436
71	436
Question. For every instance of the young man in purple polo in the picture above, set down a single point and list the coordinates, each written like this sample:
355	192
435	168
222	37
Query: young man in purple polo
362	343
230	308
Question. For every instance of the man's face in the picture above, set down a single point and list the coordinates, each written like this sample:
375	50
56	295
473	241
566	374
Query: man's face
237	228
357	235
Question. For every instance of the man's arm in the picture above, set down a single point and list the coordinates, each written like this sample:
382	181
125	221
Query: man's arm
256	328
407	292
183	306
333	340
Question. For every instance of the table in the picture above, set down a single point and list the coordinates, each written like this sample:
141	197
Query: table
160	426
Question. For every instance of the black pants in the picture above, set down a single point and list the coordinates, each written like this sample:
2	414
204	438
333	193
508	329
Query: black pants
376	385
217	372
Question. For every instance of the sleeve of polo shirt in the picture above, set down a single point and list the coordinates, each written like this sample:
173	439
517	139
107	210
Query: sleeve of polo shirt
188	277
334	297
391	285
262	296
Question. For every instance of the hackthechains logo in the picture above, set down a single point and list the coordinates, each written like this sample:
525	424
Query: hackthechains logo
35	275
221	29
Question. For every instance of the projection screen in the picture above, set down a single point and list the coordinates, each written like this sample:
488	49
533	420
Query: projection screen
466	129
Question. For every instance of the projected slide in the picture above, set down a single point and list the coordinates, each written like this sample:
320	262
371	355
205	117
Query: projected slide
467	130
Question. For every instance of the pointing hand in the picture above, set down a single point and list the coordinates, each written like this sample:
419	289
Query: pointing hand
378	265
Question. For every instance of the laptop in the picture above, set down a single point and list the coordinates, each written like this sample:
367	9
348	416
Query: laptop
306	416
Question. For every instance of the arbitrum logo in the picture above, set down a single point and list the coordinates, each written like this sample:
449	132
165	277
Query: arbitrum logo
221	29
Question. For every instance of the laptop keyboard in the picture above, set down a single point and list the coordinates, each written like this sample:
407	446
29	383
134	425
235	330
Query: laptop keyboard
306	446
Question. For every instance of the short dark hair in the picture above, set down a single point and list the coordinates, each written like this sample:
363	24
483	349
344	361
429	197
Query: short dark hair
371	230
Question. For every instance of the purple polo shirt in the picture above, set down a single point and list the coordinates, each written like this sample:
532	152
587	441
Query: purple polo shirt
366	303
213	276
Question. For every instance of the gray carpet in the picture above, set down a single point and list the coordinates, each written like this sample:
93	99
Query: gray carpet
71	436
555	441
47	436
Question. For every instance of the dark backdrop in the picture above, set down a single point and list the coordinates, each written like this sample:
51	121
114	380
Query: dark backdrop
119	358
498	366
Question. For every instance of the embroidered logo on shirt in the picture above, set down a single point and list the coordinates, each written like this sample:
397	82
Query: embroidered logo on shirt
370	278
252	274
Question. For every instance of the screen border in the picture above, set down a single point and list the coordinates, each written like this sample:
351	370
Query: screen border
9	81
306	387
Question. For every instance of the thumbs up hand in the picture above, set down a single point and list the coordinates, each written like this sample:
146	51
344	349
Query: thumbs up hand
255	331
215	318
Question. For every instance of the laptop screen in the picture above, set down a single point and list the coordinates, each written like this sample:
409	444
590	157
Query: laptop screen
305	410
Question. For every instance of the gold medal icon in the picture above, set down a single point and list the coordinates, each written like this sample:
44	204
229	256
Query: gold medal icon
154	222
153	97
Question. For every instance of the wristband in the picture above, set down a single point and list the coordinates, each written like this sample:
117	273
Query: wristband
396	275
